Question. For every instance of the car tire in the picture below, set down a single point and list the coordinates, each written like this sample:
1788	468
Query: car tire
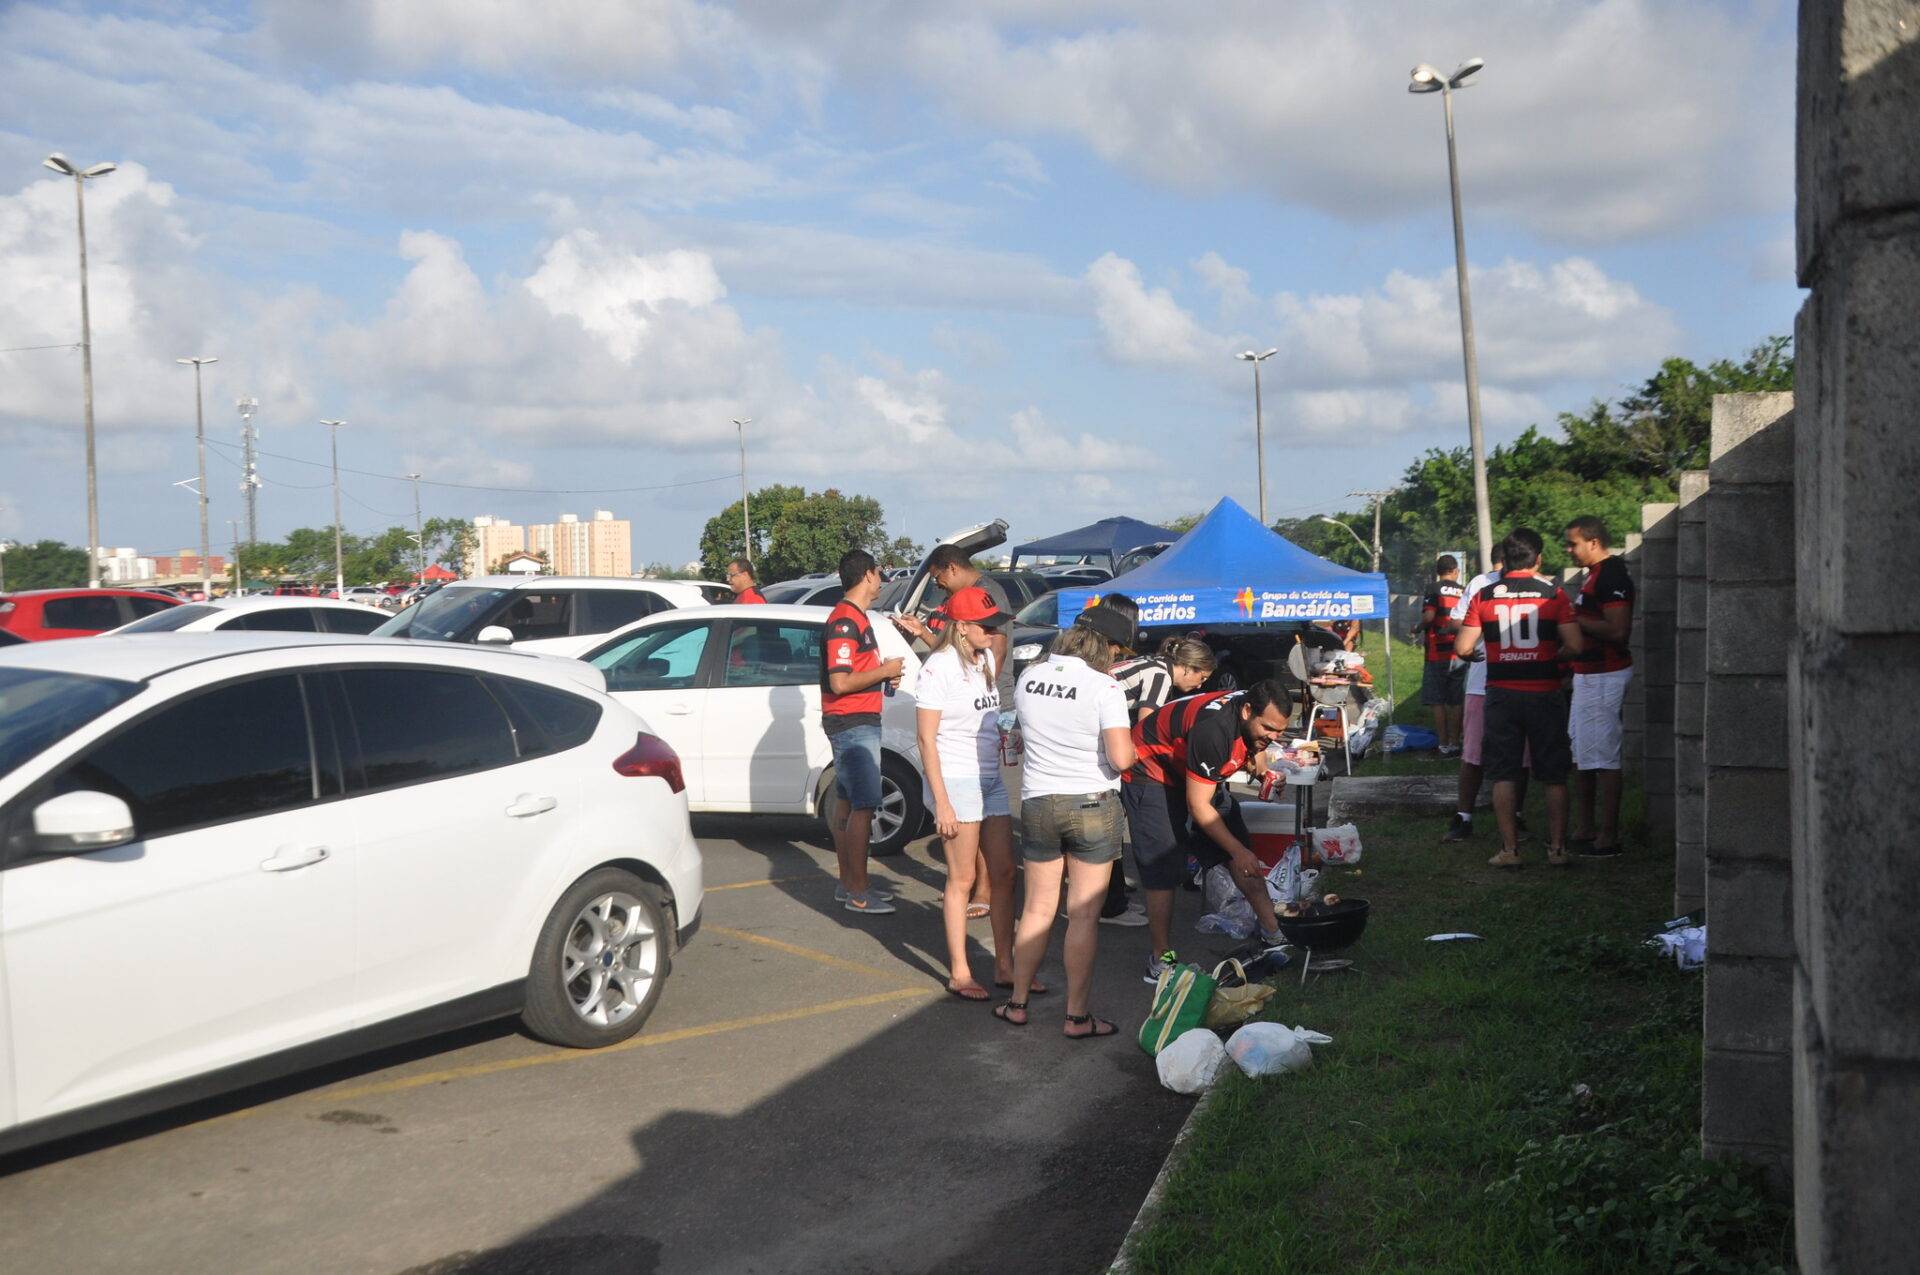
901	815
602	958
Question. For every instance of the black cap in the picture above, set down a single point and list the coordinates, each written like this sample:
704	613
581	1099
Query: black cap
1109	624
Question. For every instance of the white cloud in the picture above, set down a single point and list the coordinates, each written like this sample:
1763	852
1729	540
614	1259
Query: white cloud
1230	284
1015	163
615	295
1141	325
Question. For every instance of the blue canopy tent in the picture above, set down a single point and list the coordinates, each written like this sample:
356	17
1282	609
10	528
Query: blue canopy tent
1231	570
1111	538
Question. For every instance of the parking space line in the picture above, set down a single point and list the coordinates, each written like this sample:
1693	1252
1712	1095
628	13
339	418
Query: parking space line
794	949
743	885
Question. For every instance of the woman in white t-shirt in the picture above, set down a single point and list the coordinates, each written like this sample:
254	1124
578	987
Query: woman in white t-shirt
959	729
1079	741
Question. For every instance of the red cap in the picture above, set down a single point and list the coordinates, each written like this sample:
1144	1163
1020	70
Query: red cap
975	606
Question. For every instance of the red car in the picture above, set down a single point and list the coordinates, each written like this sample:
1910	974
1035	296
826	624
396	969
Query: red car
40	615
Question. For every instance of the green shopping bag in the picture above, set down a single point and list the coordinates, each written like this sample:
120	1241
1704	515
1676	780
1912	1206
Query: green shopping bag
1180	1001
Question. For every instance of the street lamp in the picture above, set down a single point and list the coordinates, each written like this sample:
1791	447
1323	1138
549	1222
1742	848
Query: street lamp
1259	428
1428	80
1349	530
339	568
200	446
59	164
746	516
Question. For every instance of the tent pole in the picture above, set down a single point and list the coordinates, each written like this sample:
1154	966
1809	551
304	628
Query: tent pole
1386	634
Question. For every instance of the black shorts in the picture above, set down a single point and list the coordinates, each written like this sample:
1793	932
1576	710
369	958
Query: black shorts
1158	824
1517	720
1442	684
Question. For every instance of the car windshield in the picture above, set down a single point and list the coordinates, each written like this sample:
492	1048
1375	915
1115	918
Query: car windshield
168	620
785	593
1044	609
444	617
39	708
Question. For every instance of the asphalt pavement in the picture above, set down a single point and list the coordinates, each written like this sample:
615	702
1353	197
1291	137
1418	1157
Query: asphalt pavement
804	1098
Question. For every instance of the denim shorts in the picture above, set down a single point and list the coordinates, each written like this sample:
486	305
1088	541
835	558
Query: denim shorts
974	797
1085	826
856	766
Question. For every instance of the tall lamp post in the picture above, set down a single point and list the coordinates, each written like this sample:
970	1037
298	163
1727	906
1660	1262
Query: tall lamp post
1259	425
746	516
59	164
1428	80
339	568
250	481
200	447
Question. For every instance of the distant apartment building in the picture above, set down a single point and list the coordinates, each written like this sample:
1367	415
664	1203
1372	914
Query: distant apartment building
599	546
130	566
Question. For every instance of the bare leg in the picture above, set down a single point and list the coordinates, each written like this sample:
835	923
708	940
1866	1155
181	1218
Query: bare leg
1255	888
982	881
996	851
1607	831
1159	919
850	847
1505	806
963	853
1583	805
1557	816
1036	924
1470	776
1086	892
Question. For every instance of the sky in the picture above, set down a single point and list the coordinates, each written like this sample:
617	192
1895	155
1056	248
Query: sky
982	260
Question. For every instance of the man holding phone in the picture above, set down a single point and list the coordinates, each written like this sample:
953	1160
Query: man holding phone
851	676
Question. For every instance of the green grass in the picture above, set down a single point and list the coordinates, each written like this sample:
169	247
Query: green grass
1443	1130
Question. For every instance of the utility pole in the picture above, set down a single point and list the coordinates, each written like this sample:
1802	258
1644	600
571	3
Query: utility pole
1378	498
200	446
59	164
419	533
339	568
250	482
1386	621
746	516
239	572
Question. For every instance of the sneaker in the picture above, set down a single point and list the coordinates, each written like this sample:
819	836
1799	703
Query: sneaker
1161	964
1459	828
869	903
1134	915
1593	851
1557	856
873	892
1506	859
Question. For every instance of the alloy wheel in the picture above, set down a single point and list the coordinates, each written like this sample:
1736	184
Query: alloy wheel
610	959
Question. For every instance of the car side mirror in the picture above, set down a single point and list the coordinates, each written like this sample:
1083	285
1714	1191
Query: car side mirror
495	635
79	822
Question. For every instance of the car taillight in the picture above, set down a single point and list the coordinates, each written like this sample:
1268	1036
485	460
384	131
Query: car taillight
651	758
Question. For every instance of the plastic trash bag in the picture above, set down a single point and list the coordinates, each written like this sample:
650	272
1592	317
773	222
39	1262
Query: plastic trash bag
1192	1062
1272	1049
1338	844
1228	911
1687	945
1410	739
1288	882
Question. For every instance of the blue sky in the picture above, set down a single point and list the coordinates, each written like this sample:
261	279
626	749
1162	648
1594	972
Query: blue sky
986	262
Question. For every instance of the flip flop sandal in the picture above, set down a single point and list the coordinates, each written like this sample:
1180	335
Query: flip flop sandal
964	993
1033	989
1006	1009
1101	1027
979	912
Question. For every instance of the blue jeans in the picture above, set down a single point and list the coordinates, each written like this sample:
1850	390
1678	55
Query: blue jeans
856	766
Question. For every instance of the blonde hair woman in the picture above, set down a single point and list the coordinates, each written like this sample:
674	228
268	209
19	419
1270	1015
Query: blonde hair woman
958	725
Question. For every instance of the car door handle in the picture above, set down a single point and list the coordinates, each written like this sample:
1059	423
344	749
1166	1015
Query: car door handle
679	710
527	805
288	858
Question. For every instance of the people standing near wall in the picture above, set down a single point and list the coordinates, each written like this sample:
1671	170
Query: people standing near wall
1443	683
1073	716
1604	611
851	675
740	580
1527	621
958	701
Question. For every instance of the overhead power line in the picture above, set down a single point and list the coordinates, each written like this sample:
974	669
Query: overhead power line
525	491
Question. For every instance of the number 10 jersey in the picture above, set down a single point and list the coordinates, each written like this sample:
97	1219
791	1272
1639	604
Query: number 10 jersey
1519	617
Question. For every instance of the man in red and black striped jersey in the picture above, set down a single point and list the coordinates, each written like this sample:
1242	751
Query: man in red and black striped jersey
851	677
1443	687
1604	611
1176	804
1527	622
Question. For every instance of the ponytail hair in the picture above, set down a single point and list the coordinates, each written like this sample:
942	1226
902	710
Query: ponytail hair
1188	652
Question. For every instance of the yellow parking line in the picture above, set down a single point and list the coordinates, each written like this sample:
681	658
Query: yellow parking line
742	885
794	949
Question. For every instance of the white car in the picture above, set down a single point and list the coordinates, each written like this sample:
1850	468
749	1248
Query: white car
537	613
736	691
276	852
261	614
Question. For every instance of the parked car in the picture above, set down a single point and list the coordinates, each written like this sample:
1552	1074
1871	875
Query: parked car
818	590
41	615
296	851
538	613
8	638
274	615
736	692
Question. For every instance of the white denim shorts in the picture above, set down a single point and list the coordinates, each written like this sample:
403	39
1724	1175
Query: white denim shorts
974	797
1595	718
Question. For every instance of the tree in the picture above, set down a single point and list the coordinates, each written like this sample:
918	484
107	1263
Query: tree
667	571
902	552
45	564
450	542
795	532
391	555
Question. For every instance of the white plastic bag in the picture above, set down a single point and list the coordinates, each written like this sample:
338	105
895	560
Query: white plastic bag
1228	911
1192	1062
1288	882
1271	1049
1338	844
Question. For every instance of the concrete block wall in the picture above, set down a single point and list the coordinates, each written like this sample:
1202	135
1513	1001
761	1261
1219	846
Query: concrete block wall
1746	1100
1633	706
1653	657
1690	696
1854	670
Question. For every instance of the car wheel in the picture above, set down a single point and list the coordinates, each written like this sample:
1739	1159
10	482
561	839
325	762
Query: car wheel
900	814
601	960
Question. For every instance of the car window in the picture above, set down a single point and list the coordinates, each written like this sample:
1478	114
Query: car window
168	619
450	615
770	653
826	596
1044	609
604	610
277	620
359	623
139	607
662	659
538	613
545	720
39	708
417	724
234	752
785	593
97	613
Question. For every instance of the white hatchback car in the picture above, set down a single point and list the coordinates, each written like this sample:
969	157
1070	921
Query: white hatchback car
736	691
261	615
539	613
275	852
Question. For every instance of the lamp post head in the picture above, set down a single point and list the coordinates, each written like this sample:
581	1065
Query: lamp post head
743	421
99	170
1459	77
333	423
1426	80
59	164
1251	357
197	362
